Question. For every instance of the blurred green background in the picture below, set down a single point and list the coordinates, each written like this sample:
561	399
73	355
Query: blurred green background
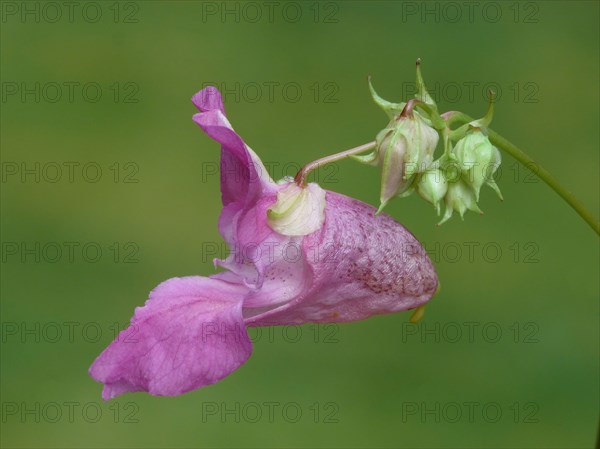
528	371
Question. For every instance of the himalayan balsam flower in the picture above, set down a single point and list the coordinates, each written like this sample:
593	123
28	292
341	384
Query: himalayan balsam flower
302	255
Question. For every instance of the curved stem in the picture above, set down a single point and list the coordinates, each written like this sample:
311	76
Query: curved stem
454	117
301	176
408	108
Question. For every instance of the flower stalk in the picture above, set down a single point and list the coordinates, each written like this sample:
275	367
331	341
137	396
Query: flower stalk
302	175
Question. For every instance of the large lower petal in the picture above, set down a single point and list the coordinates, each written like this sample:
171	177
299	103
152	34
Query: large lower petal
190	333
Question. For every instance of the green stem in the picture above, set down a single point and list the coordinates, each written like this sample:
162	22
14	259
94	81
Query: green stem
455	117
302	175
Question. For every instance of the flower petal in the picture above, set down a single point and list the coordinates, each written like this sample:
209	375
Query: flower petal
360	265
243	175
208	99
270	264
189	334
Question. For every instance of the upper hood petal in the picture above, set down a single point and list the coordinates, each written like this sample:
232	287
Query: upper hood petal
243	175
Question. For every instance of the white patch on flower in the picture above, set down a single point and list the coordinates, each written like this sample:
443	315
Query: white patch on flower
298	210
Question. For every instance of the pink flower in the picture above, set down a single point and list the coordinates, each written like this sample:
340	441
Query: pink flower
348	265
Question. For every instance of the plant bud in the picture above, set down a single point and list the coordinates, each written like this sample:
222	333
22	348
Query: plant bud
404	149
478	160
432	187
460	197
